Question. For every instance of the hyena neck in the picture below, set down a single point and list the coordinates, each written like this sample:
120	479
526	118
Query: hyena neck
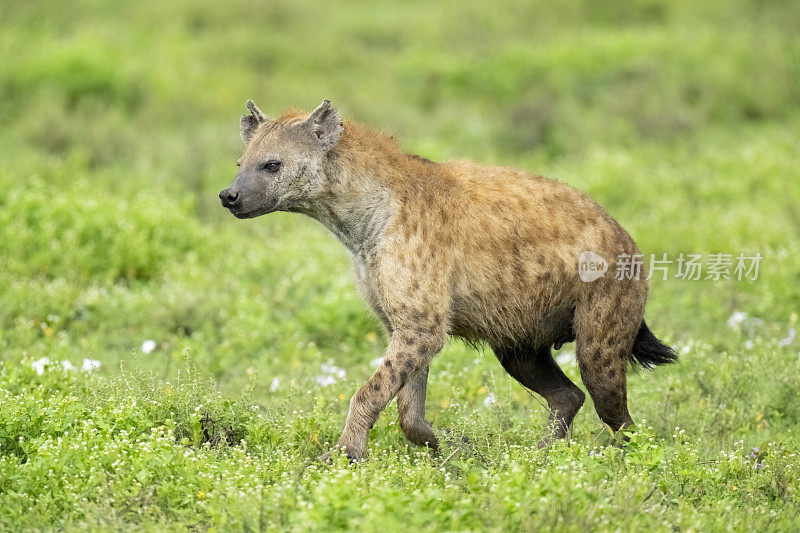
357	204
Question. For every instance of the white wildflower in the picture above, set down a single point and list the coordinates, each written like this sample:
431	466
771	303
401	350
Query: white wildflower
567	356
276	382
67	366
737	319
148	346
741	321
324	380
786	341
90	365
334	370
40	365
330	374
376	362
490	400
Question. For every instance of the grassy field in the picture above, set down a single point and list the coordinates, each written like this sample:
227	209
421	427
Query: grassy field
163	365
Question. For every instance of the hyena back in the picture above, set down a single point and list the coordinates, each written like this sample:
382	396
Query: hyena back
484	253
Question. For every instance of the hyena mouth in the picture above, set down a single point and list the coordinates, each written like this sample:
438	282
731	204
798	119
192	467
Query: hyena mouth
251	214
269	207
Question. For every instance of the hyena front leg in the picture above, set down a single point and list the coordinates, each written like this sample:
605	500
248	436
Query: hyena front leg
411	410
408	353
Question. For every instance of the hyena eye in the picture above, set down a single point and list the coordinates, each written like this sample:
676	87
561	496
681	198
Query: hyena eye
271	166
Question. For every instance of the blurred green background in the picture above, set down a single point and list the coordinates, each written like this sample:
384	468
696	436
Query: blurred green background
119	125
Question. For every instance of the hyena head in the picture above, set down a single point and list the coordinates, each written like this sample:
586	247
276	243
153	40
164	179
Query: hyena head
282	165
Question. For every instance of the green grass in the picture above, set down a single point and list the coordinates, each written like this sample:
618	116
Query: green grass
119	125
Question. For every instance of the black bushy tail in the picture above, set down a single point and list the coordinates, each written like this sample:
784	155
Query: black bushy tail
648	351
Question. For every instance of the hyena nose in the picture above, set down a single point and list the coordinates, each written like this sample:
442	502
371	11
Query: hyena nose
229	198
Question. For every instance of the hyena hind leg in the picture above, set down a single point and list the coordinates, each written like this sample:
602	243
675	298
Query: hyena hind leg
535	369
603	350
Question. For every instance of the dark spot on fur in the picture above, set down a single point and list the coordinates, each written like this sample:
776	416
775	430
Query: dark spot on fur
420	159
402	215
376	387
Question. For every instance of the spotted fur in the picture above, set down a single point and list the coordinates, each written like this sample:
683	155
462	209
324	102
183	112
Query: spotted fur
489	254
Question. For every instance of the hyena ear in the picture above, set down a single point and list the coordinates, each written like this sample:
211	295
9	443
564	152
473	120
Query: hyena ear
250	123
325	124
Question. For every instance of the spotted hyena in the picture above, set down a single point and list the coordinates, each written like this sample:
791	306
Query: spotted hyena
488	254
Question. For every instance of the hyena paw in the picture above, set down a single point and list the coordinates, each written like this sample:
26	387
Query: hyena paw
353	453
457	441
454	439
554	432
545	442
325	457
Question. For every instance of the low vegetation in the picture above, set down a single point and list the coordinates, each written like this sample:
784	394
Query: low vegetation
163	365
